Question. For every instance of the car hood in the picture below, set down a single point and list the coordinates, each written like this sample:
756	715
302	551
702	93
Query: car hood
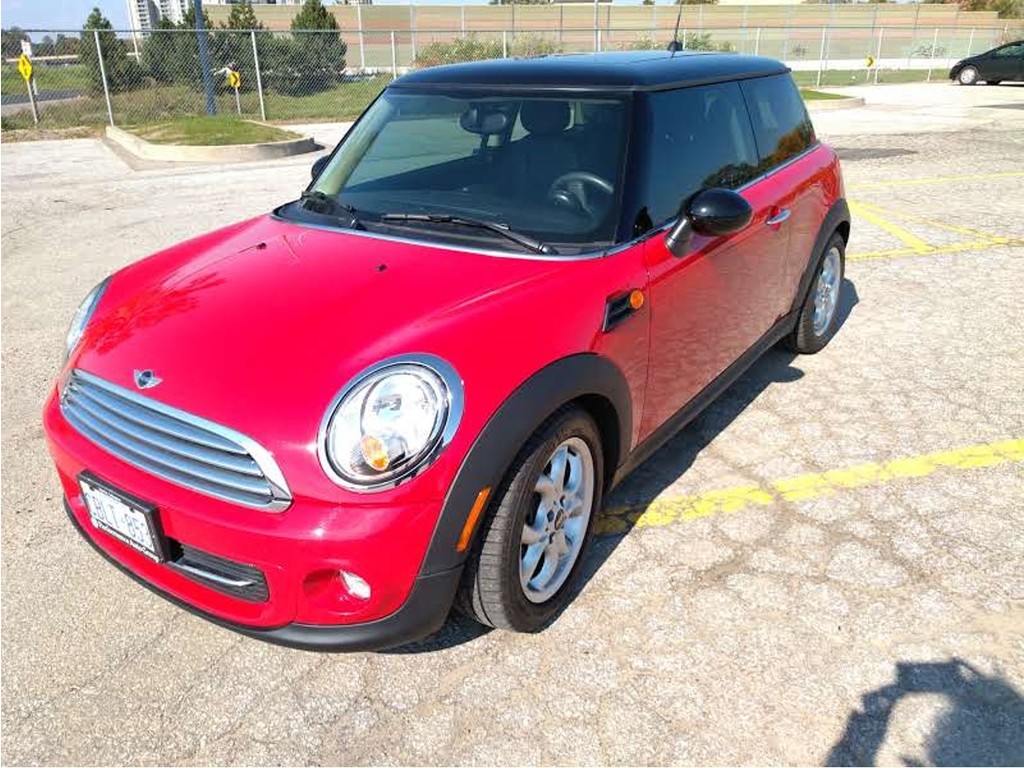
258	326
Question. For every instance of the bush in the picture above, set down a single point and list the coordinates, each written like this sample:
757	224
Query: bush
473	48
312	59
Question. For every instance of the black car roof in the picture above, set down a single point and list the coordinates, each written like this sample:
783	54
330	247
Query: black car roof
628	70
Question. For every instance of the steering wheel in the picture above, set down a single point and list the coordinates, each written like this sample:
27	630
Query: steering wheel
571	189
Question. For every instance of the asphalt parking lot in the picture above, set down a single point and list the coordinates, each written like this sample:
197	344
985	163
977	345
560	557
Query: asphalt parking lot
825	568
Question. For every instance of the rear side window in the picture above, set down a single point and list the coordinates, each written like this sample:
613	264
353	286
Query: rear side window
698	137
781	125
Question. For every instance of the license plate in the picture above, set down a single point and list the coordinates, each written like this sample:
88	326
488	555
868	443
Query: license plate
126	519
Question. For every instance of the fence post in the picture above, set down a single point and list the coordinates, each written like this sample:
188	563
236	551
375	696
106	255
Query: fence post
654	22
362	40
878	58
931	60
103	75
394	55
970	42
757	41
504	43
561	21
412	29
462	8
821	55
259	78
597	27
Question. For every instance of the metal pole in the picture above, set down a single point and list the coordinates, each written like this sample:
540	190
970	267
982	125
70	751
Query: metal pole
878	58
821	55
504	43
412	28
394	56
103	75
204	59
259	78
599	40
597	26
757	41
970	42
561	21
32	100
463	14
931	61
362	41
238	102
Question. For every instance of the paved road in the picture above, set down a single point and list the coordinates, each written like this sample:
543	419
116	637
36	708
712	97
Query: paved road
826	568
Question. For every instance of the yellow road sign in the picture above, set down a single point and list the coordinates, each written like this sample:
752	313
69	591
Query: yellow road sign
870	61
234	79
25	67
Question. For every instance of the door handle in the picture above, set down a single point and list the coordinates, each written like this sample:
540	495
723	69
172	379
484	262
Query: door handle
778	218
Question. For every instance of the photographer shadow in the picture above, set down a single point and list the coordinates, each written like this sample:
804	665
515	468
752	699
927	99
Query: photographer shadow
984	724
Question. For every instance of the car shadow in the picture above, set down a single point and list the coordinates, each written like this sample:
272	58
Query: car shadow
644	484
981	724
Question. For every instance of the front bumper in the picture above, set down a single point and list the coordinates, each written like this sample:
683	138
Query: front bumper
422	614
298	552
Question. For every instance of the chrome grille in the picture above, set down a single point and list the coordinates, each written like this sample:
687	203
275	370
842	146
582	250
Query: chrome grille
174	445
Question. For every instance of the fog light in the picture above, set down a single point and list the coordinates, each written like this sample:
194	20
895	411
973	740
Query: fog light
356	586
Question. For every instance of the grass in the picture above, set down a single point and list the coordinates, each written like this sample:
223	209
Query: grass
163	103
210	131
810	95
74	77
834	77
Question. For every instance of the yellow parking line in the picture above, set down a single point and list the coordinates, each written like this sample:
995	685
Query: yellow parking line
667	511
912	241
976	245
936	180
928	222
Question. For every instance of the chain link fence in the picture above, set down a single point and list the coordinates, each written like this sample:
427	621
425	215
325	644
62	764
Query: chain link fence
131	78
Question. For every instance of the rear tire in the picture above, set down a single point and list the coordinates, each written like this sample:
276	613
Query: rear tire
526	561
819	315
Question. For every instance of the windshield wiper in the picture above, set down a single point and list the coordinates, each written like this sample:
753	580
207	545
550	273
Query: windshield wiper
320	202
525	241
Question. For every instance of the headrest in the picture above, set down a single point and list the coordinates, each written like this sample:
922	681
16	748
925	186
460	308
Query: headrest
545	117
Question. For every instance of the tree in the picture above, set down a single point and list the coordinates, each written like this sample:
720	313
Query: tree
313	59
10	41
243	16
232	44
66	46
161	50
45	47
696	2
122	72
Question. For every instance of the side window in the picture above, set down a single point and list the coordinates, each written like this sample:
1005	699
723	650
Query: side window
781	125
699	137
1010	51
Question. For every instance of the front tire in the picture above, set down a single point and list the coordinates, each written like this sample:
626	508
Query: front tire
968	76
819	316
526	561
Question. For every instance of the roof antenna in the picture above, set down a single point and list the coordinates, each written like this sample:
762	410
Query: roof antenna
675	45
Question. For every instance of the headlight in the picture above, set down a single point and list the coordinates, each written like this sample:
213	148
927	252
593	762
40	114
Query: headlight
83	315
390	422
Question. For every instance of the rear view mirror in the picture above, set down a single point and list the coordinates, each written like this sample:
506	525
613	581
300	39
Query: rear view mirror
713	212
479	121
318	165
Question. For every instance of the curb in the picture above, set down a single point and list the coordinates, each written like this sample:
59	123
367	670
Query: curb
827	105
227	153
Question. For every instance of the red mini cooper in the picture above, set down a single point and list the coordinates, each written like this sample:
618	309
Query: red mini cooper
411	387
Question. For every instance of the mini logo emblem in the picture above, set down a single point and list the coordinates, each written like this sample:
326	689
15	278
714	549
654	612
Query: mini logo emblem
146	379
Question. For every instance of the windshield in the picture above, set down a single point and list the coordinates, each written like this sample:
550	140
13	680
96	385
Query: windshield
548	168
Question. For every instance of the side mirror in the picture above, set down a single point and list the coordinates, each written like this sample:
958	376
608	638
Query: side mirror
319	165
713	212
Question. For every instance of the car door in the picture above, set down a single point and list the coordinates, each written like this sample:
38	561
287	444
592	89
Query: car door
785	138
1003	63
714	302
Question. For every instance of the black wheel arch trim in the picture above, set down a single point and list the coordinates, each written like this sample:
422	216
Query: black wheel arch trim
837	216
581	376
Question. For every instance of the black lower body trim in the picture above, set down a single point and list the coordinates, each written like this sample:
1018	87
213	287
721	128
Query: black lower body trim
705	397
422	614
